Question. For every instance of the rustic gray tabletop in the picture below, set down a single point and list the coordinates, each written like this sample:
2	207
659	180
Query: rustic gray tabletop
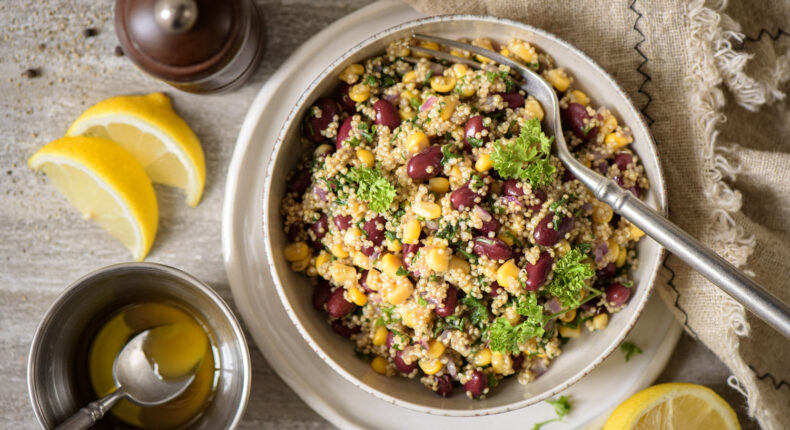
45	243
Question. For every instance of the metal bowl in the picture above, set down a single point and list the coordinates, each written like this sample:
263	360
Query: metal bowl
579	356
57	377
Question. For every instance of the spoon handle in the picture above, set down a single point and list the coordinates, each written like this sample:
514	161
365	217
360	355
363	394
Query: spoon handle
716	269
94	411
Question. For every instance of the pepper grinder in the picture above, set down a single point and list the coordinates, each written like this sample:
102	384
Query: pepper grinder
199	46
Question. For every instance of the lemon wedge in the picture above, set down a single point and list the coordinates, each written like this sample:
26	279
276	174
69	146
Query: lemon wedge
149	128
674	406
106	184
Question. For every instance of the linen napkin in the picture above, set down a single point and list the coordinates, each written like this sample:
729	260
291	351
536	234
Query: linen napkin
710	79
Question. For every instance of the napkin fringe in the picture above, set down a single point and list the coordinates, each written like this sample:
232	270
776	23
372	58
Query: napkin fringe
712	31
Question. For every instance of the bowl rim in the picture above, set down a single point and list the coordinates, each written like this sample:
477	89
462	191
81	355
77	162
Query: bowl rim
659	186
199	285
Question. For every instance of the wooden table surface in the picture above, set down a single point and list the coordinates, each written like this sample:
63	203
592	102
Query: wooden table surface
45	243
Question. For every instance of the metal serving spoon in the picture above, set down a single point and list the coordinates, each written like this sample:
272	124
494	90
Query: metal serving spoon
136	380
710	265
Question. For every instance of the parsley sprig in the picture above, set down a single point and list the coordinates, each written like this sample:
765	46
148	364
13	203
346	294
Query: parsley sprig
561	407
505	337
372	187
526	157
570	275
630	349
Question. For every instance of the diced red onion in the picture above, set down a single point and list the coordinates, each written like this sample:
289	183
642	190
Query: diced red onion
431	225
392	98
451	369
600	251
538	368
428	103
319	193
483	214
553	305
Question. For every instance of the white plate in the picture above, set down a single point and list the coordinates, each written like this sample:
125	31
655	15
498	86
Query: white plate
325	391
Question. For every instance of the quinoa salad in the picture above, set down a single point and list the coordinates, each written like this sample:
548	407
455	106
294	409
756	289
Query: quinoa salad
441	235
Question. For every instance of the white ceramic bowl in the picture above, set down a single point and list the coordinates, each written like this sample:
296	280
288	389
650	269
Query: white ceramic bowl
579	356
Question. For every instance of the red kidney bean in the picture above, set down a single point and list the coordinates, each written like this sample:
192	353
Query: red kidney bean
573	117
513	99
321	294
635	190
343	99
602	167
494	249
472	128
444	385
617	294
320	227
363	280
622	160
342	132
386	114
294	231
495	289
426	164
547	236
449	303
344	330
375	229
314	125
615	220
476	384
299	182
409	251
607	272
538	272
464	197
512	187
337	305
401	365
342	222
518	361
492	225
568	176
541	196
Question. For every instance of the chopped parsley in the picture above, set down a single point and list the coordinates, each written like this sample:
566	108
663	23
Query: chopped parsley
479	311
388	80
427	77
469	256
447	232
630	349
422	302
371	81
414	102
569	276
401	271
561	407
526	157
372	187
504	337
557	219
474	142
367	131
448	154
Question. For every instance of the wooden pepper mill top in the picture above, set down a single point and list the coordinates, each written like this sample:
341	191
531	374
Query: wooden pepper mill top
200	46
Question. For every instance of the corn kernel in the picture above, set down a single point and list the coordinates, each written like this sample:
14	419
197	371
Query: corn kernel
430	366
563	247
406	114
614	249
390	263
533	107
504	51
602	213
427	45
323	258
482	358
360	259
609	124
459	264
450	104
379	365
411	232
438	259
350	237
600	321
568	316
617	140
298	266
467	90
323	149
558	79
507	275
394	245
443	84
460	53
339	251
435	349
571	333
342	273
409	317
621	257
373	280
579	97
523	50
501	363
484	163
428	210
380	336
366	157
506	237
634	232
357	296
296	251
359	93
459	70
512	316
416	142
351	73
485	44
456	177
409	77
399	291
439	185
